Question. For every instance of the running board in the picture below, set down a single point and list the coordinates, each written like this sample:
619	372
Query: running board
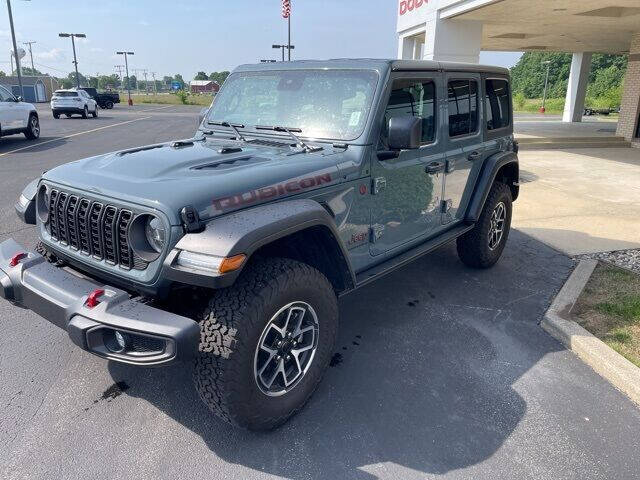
410	255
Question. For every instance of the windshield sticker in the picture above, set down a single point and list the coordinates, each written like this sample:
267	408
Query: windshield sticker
355	119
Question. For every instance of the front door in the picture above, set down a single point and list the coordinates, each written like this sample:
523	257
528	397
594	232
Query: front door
464	142
407	198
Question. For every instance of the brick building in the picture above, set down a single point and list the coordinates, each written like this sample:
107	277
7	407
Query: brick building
204	86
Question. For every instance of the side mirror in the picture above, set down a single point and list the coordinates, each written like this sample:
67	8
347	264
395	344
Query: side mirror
203	113
18	98
405	133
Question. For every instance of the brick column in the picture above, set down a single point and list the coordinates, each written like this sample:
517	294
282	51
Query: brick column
630	107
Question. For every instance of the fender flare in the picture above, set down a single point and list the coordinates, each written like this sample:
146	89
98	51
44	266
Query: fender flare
486	178
246	231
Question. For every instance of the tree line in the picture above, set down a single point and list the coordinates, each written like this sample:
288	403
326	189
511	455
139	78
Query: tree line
605	80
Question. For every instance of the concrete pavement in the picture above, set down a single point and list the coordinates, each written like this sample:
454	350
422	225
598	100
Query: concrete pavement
581	200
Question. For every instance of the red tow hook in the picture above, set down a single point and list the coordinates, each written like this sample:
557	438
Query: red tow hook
92	299
15	260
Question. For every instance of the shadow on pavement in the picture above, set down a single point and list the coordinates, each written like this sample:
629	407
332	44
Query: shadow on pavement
424	376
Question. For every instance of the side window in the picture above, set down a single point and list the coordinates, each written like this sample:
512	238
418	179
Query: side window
497	104
463	107
5	96
415	98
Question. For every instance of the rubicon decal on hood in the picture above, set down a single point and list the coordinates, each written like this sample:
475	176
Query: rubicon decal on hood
270	192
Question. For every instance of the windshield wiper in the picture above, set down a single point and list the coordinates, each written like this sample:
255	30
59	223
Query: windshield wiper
289	131
234	126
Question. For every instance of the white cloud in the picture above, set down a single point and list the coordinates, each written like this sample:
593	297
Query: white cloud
144	23
55	54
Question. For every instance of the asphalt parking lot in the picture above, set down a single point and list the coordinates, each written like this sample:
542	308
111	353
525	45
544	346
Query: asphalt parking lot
440	370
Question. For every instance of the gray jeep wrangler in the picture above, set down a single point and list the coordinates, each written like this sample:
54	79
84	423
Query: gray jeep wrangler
304	181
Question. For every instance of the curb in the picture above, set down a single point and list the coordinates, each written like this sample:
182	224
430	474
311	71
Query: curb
608	363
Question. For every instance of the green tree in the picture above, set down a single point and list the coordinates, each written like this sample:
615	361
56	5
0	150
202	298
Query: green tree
219	77
2	74
201	76
178	78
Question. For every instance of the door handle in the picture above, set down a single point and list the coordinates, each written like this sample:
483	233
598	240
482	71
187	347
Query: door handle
475	155
434	167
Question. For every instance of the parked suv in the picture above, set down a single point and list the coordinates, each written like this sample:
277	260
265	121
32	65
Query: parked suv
304	181
17	116
70	102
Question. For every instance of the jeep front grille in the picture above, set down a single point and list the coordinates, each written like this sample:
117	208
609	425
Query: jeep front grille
93	228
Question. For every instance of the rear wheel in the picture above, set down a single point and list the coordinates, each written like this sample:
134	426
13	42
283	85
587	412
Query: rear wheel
265	343
33	127
68	115
56	115
109	105
482	246
94	114
85	112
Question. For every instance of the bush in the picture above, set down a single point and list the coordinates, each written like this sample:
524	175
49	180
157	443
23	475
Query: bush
519	101
183	96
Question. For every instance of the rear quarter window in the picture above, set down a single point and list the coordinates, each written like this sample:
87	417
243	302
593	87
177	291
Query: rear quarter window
497	104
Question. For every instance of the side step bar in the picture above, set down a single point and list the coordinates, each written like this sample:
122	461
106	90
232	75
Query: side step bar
410	255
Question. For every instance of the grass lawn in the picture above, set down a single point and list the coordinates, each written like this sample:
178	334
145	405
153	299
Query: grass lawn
168	99
609	307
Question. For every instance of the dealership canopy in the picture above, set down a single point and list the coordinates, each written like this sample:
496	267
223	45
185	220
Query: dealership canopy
457	30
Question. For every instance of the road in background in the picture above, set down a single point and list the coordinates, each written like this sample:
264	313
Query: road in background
439	371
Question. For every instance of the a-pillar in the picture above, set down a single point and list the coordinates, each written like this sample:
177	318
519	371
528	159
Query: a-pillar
577	87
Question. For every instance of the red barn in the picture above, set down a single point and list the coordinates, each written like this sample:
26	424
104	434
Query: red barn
204	86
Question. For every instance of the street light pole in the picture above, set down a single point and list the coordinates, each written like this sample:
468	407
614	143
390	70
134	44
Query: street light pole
283	47
15	48
126	66
546	83
73	44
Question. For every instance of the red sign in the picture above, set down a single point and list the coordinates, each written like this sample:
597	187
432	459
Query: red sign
286	8
411	5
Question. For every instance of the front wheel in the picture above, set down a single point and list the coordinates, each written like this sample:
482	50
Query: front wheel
33	128
482	246
265	343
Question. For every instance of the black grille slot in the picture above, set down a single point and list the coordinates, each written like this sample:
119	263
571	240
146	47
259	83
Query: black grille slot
124	251
95	237
72	223
108	230
93	228
82	222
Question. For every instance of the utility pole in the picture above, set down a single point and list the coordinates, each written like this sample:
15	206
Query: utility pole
33	69
126	66
155	87
119	69
136	72
73	44
546	83
146	84
15	49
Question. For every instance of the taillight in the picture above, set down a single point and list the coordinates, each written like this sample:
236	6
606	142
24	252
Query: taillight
77	99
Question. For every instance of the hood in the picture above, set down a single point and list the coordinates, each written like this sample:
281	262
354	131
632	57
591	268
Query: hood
213	176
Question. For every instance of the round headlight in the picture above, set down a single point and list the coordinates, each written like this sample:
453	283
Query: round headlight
42	203
154	231
147	236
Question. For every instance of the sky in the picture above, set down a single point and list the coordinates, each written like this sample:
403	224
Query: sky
186	36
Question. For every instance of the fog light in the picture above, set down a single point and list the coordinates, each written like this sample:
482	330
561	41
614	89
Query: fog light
121	339
116	341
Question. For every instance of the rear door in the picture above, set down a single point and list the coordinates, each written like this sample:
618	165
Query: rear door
465	151
406	198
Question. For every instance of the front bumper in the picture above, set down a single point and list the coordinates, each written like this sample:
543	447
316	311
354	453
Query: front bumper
152	336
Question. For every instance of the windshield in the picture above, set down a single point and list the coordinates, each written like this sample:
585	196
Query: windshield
332	104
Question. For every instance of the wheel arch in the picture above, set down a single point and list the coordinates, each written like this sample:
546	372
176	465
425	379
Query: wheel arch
502	167
301	230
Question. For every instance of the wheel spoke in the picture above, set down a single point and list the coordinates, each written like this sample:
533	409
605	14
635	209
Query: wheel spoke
279	369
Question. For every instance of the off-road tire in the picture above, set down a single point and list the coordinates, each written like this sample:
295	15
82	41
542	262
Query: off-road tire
32	133
85	112
231	325
473	246
109	105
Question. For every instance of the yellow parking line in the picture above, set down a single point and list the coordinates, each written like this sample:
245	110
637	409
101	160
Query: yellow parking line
73	135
